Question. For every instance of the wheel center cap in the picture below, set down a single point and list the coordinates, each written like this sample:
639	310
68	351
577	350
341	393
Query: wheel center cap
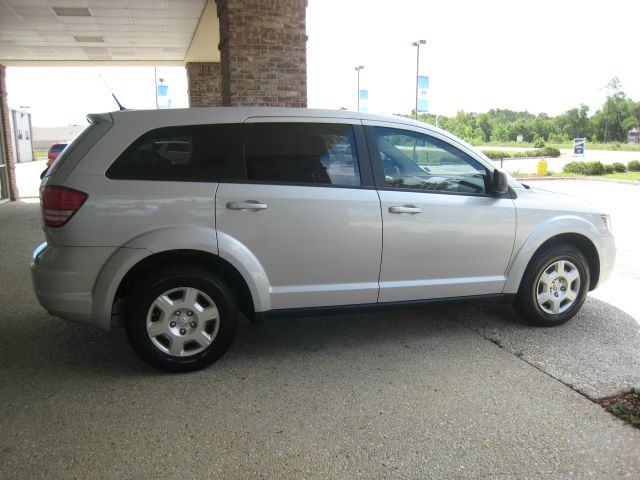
183	321
556	286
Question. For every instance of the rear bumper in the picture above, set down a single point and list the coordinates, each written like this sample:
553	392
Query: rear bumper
64	277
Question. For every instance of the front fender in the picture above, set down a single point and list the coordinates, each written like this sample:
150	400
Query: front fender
523	253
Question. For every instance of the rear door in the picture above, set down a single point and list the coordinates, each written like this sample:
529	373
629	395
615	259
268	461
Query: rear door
444	234
308	211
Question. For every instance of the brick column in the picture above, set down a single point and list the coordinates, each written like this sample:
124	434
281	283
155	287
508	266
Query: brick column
204	84
5	129
263	51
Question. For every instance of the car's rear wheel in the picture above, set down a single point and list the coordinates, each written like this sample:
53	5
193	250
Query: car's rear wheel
554	286
181	319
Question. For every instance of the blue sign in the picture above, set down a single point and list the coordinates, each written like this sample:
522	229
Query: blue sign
578	146
364	100
423	94
163	99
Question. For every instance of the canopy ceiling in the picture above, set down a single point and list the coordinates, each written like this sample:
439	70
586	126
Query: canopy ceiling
108	32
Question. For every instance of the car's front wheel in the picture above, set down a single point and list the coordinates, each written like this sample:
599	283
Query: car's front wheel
181	319
554	286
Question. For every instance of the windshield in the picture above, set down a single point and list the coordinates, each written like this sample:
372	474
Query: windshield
58	147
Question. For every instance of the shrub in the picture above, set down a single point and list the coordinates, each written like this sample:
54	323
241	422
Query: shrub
539	143
555	138
496	154
609	169
543	152
618	167
549	152
574	167
594	168
634	166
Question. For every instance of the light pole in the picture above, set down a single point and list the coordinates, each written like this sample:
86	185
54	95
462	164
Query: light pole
417	44
358	70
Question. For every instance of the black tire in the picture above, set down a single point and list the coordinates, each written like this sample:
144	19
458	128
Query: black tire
154	331
555	306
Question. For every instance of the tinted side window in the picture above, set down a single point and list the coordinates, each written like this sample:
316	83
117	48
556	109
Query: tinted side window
186	153
317	153
416	161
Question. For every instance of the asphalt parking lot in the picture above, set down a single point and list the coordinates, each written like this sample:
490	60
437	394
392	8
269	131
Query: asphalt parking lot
463	391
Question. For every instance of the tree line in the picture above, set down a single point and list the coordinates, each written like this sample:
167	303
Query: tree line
618	115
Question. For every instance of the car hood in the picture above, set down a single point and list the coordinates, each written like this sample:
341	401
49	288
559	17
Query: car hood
559	201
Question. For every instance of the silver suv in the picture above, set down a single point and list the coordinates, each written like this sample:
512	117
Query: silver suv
171	222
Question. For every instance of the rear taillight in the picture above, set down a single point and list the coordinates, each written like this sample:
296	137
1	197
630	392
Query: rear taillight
59	204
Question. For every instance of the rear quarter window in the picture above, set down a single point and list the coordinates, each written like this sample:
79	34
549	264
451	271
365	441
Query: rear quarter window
204	153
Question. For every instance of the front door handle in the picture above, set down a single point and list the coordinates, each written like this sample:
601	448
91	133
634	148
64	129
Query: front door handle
405	209
247	205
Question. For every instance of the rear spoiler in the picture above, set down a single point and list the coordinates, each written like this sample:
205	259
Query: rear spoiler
99	118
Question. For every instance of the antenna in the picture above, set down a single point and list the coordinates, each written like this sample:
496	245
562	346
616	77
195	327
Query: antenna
112	94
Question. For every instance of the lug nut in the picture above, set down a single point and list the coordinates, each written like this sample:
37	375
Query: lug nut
563	288
177	313
172	324
183	331
193	324
556	294
189	313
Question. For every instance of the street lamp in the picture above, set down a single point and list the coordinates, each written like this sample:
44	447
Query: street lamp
417	44
358	70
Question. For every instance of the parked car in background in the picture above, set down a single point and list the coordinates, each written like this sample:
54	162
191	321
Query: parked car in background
171	222
54	152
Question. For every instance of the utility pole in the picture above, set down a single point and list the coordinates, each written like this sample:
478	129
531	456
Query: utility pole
358	70
417	44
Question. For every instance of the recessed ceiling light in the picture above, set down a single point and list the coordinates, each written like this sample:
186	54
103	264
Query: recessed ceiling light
72	12
88	39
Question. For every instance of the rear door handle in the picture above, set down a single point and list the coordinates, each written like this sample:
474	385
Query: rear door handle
405	209
247	205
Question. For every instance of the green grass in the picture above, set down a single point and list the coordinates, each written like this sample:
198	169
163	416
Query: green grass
625	406
630	176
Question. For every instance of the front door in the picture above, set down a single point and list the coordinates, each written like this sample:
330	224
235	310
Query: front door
444	235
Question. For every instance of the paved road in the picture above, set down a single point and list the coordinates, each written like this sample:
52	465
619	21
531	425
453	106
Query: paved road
417	393
28	178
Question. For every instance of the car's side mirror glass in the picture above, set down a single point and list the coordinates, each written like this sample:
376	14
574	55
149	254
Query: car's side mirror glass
499	183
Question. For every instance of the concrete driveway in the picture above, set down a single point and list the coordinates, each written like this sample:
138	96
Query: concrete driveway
464	391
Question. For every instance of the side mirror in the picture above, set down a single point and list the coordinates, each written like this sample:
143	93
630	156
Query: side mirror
499	183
